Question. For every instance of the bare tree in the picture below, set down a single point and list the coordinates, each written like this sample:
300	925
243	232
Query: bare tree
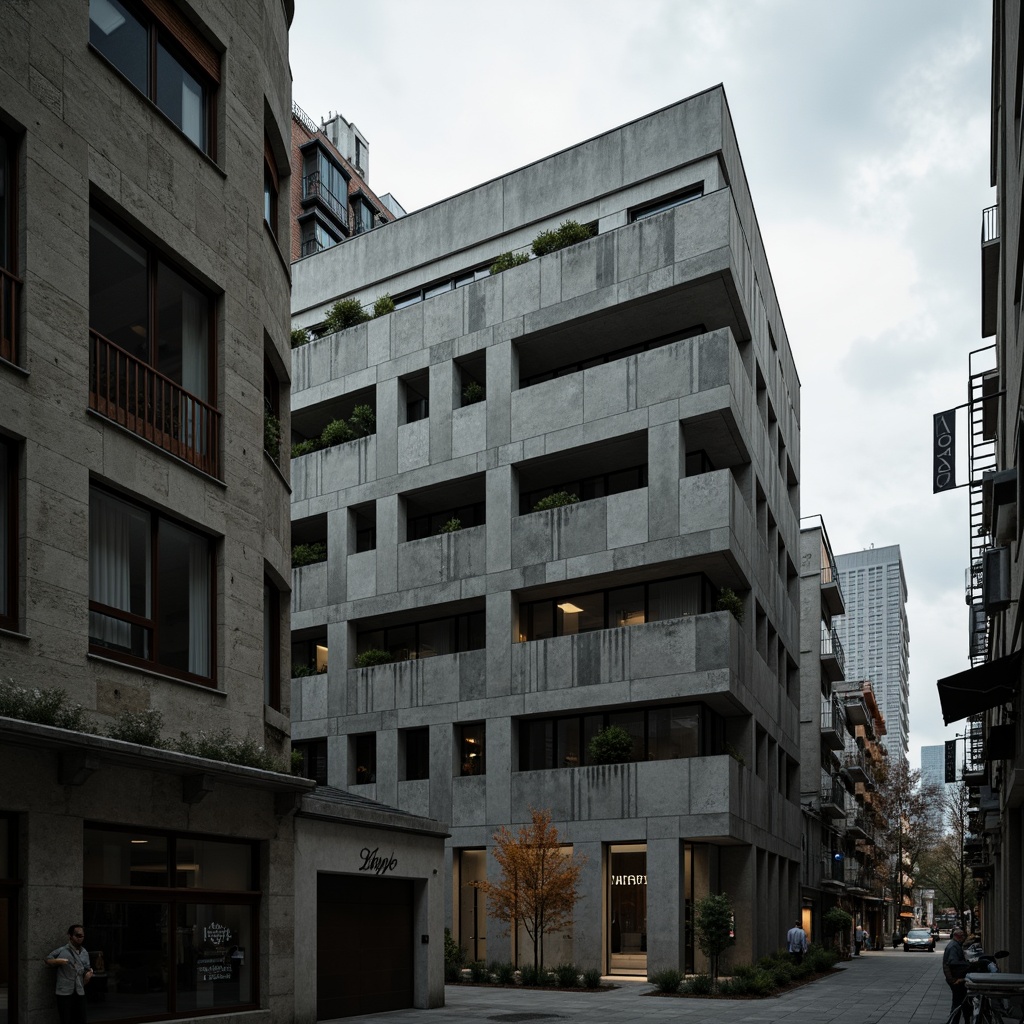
945	867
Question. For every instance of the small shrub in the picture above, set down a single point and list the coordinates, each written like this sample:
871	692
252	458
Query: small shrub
478	972
504	973
734	987
336	432
374	656
507	260
344	313
300	337
819	959
763	983
221	746
301	448
533	977
556	500
454	957
298	760
452	526
301	671
568	233
744	972
383	305
137	727
49	706
735	754
700	985
272	435
592	978
473	392
567	975
730	601
610	746
309	554
667	981
363	421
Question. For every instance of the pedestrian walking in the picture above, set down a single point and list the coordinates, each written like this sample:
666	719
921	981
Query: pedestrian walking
796	942
74	972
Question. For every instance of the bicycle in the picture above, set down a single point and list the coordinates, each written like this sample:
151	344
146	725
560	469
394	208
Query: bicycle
992	999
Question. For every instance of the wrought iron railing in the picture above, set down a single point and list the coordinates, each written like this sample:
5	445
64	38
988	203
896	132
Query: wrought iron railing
304	119
990	224
130	392
314	188
833	715
832	646
10	286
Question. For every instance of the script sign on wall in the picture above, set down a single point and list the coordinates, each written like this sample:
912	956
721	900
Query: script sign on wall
943	445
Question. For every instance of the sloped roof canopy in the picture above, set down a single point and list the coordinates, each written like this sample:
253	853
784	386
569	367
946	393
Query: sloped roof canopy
979	689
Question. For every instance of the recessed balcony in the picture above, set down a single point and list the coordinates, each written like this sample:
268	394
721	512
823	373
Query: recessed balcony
833	723
833	658
833	796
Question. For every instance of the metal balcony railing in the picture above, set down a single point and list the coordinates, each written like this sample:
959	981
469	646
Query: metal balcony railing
314	188
833	721
131	393
10	286
832	646
990	224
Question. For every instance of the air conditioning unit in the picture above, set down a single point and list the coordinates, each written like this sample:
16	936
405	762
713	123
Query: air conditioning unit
995	580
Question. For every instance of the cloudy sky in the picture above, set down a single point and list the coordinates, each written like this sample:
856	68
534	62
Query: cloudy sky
864	134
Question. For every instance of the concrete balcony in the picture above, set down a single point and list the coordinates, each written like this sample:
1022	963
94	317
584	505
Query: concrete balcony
309	587
693	366
855	768
690	658
333	469
833	723
448	556
833	796
469	429
418	683
833	658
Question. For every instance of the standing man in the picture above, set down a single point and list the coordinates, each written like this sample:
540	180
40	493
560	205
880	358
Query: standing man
74	972
796	942
954	969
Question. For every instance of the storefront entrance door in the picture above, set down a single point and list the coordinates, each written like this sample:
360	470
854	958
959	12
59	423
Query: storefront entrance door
627	909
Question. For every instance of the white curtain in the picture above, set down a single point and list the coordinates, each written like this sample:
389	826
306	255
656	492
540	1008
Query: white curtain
110	568
195	365
192	109
198	605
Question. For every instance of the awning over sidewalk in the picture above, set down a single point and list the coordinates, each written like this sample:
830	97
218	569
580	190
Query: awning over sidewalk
979	689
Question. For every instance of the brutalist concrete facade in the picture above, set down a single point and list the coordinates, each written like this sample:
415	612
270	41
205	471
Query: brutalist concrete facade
668	363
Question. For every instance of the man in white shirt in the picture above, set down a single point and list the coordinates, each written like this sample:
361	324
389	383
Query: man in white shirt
796	942
74	972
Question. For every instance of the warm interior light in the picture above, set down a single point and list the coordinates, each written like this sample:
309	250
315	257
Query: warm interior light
138	842
569	608
139	330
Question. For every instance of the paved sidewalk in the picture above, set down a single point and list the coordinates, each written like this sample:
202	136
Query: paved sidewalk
888	987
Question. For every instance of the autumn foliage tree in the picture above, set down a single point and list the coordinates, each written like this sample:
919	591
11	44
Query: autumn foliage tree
538	883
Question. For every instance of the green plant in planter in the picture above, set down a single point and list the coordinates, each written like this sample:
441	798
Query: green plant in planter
302	671
667	981
592	977
556	500
309	554
567	233
138	727
374	656
730	601
454	958
610	746
473	392
297	760
507	260
301	448
272	435
300	337
344	313
384	305
336	432
44	706
363	421
452	526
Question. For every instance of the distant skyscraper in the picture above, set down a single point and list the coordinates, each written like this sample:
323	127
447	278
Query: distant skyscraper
875	635
933	772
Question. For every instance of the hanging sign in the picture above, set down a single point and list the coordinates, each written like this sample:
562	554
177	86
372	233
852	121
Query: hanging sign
943	444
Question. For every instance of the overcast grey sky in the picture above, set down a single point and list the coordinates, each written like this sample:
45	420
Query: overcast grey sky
864	133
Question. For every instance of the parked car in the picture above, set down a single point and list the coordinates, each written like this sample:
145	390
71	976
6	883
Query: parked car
919	938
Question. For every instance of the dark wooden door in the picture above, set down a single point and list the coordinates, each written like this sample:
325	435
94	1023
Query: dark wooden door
364	945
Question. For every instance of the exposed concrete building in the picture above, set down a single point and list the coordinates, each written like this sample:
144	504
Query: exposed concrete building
988	697
144	528
646	371
875	633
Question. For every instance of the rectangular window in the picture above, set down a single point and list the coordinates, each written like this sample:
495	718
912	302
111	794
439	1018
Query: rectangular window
364	752
152	349
271	645
427	639
164	57
174	916
314	760
271	187
324	182
10	283
151	585
8	535
661	205
417	754
472	749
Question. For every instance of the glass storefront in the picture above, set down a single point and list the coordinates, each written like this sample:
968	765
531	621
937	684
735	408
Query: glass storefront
169	923
471	904
627	909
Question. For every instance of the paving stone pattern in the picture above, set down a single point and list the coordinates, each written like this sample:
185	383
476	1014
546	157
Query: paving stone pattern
889	987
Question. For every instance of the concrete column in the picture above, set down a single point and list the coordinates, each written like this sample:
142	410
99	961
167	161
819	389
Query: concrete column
502	497
340	544
441	762
499	647
390	533
340	655
442	400
665	893
387	766
502	380
666	459
588	915
499	769
738	866
387	427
